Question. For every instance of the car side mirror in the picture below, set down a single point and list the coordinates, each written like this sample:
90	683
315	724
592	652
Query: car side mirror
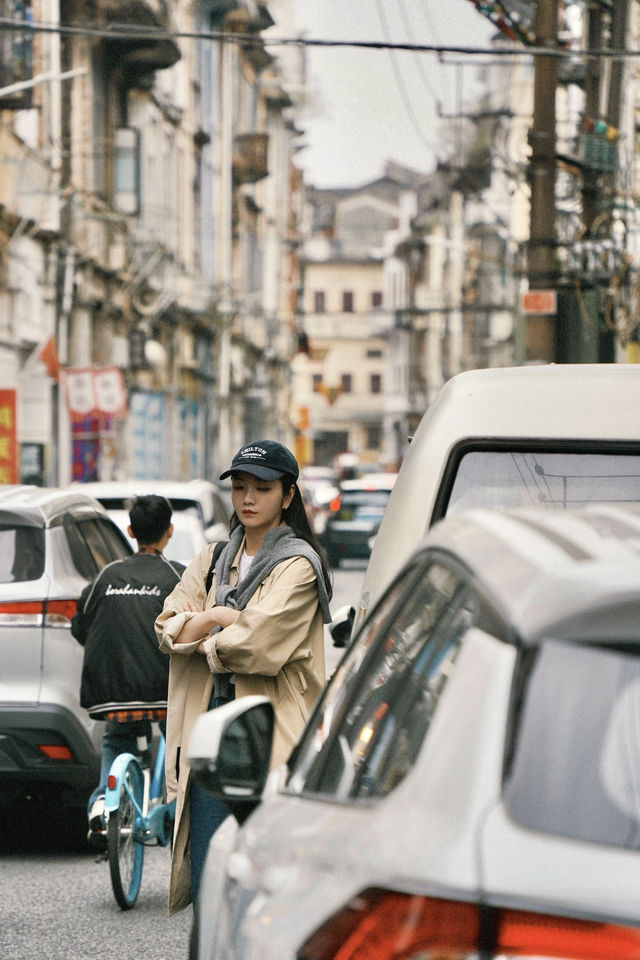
341	625
230	750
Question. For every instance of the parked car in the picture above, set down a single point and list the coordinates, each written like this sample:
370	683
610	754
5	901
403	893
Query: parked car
467	784
319	486
354	516
552	435
52	543
202	499
187	540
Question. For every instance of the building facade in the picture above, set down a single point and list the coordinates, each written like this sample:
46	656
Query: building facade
149	209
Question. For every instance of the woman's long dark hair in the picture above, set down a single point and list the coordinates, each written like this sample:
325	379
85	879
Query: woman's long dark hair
295	516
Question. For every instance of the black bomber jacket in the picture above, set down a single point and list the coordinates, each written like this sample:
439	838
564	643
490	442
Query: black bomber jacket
123	668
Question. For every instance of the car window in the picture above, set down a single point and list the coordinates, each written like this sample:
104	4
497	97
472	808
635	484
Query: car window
573	764
115	545
369	729
21	553
503	479
186	541
82	556
100	540
220	512
360	504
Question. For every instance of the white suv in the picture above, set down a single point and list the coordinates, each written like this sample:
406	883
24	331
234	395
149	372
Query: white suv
467	785
52	543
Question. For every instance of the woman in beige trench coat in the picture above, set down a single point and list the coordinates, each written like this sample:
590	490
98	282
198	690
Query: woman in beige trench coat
257	630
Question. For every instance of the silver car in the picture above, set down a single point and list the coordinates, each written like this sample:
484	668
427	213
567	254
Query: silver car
201	500
186	541
468	783
52	543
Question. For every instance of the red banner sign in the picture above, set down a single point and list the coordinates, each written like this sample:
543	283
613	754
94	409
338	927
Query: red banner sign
94	391
8	437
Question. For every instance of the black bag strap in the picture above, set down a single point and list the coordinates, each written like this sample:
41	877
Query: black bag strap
217	550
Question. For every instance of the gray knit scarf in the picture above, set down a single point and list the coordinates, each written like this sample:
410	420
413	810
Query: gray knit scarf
278	544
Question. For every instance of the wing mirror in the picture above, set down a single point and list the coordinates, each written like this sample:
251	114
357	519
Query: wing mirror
230	750
341	625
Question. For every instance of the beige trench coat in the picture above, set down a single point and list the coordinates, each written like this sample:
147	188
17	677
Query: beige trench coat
275	648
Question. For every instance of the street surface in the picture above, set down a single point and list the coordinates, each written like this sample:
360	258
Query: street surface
57	900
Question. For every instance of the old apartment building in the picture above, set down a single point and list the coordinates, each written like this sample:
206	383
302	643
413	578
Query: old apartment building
169	286
148	231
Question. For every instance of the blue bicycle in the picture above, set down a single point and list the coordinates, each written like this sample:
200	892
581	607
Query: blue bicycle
135	814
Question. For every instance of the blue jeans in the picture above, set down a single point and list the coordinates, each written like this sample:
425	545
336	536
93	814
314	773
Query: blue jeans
206	813
119	738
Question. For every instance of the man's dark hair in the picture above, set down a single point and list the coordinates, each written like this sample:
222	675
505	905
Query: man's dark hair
150	517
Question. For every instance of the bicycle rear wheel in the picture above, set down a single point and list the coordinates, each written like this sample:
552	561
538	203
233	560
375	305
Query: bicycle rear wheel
125	853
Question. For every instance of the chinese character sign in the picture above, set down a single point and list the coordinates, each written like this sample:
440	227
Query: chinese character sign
8	443
110	392
81	398
92	391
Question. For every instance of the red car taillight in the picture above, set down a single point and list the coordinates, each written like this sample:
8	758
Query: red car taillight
58	613
33	613
380	925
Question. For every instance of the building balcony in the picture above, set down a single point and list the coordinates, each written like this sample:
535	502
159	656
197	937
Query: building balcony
140	54
250	157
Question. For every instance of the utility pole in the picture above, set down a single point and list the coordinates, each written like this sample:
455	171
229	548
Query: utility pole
540	328
584	335
590	188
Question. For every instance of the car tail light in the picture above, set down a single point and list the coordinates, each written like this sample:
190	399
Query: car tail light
58	613
28	613
381	925
33	613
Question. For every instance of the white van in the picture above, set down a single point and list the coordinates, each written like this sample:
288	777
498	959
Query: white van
556	435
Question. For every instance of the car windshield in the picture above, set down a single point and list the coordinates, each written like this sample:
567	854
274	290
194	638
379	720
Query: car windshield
583	704
185	542
362	504
369	727
21	553
506	478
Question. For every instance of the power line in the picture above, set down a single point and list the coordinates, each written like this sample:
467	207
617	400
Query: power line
419	64
401	86
116	32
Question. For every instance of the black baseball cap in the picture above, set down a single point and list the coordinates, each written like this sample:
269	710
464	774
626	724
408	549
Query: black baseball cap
266	459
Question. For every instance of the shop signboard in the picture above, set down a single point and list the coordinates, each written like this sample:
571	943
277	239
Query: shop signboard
8	437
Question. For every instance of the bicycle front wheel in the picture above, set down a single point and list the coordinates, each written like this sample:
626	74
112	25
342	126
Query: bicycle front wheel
126	854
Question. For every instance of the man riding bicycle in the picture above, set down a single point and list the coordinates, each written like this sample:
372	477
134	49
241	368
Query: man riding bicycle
124	674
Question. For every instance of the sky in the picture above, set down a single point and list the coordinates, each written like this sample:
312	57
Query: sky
371	106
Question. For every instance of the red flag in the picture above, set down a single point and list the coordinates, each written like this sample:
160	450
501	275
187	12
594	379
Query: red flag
48	354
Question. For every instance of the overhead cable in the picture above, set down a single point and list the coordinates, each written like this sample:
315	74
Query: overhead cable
129	32
401	85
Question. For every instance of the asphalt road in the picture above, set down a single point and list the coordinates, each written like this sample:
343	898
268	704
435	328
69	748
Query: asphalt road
56	900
